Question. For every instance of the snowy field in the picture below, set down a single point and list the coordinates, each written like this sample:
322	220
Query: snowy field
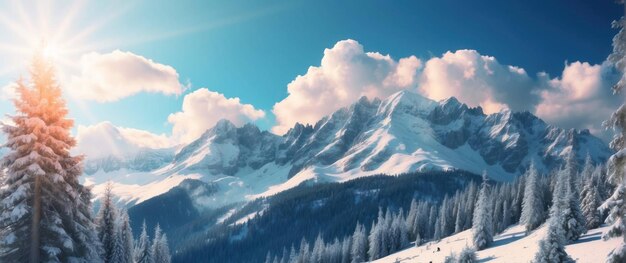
511	246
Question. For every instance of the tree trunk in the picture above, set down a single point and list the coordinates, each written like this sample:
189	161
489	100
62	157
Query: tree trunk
35	235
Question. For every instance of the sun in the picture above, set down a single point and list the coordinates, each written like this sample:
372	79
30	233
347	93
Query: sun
51	51
60	31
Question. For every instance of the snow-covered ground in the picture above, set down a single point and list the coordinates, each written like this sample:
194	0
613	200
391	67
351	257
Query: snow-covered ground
511	246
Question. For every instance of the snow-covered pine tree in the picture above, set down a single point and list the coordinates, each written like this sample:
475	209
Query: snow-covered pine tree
482	226
45	214
293	256
516	206
506	214
285	257
124	244
467	255
318	249
106	223
459	221
358	252
346	249
142	249
616	203
591	201
160	247
432	221
376	237
533	213
304	256
497	212
386	234
573	218
411	217
472	195
552	247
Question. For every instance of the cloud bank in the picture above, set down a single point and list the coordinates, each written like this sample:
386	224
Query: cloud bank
203	108
580	98
105	139
345	74
116	75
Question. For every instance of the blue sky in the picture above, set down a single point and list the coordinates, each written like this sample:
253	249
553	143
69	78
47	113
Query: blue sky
253	49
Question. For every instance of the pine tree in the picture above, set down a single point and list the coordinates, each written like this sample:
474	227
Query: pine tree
285	257
160	248
432	221
532	205
106	223
159	251
142	249
359	244
346	248
411	218
318	249
552	247
45	214
591	201
293	256
123	251
573	219
268	257
482	226
376	237
616	203
467	255
304	256
506	216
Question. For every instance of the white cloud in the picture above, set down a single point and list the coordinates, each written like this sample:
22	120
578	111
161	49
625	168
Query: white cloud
478	80
581	98
203	108
105	139
8	92
346	73
116	75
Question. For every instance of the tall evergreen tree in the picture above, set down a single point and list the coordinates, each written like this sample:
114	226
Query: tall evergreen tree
359	244
482	228
45	214
142	248
573	219
160	248
106	224
591	201
552	247
318	250
616	203
532	205
124	244
376	237
346	248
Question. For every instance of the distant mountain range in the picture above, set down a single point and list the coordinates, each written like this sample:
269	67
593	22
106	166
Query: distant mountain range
402	133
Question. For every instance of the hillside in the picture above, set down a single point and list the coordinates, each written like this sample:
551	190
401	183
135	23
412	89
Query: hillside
511	246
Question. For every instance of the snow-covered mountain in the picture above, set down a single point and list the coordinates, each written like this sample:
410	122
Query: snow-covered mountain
402	133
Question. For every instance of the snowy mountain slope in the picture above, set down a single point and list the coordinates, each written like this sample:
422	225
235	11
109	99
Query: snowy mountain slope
402	133
512	246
